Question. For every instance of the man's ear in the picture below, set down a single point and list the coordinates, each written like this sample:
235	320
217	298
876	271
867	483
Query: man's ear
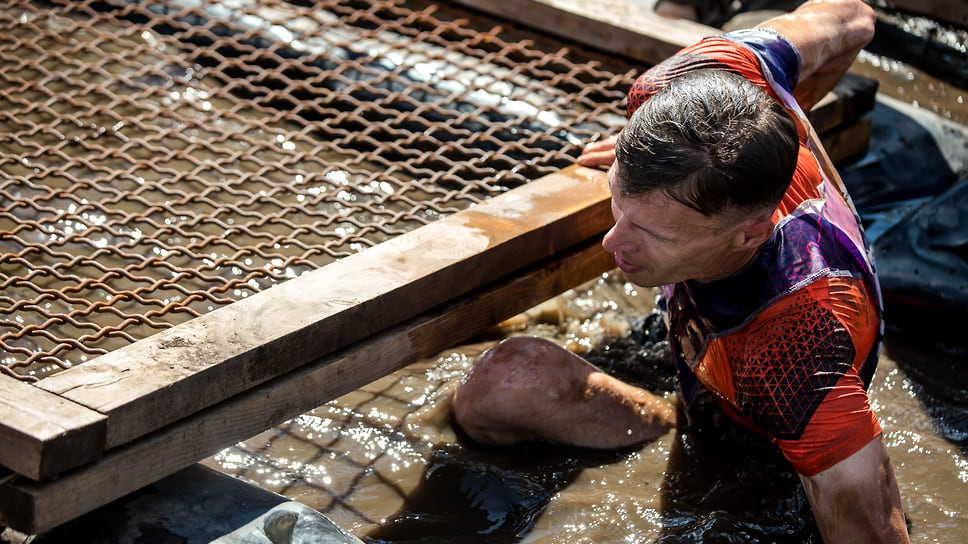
753	232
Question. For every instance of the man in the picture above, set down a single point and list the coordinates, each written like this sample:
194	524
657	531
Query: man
722	195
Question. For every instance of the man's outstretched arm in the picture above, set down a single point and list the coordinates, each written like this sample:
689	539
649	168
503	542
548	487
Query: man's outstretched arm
829	34
857	501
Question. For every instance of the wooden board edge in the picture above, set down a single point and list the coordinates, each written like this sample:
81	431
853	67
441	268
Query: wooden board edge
614	26
852	98
43	434
848	142
34	507
950	11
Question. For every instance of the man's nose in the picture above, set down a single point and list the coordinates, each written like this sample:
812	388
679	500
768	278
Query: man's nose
614	240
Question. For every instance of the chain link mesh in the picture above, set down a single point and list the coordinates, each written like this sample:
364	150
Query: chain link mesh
160	159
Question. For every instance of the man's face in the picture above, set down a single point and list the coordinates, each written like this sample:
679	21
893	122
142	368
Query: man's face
658	241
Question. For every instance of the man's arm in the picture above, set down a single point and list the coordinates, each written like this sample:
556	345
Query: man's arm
857	501
829	34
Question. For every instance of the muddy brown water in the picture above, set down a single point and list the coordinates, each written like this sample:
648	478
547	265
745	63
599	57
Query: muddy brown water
386	463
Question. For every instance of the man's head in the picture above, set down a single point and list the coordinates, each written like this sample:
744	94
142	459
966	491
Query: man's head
699	169
713	141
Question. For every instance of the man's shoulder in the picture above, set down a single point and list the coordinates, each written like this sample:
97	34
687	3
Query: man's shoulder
759	54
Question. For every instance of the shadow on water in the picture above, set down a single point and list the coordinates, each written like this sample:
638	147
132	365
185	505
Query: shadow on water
725	484
443	109
470	493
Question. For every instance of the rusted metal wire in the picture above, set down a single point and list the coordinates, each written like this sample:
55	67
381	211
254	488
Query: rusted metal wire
159	159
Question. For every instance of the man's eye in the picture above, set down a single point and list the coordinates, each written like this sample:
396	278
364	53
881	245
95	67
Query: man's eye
654	236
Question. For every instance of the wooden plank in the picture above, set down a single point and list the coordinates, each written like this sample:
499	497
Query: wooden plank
622	27
847	142
852	98
175	373
43	434
33	507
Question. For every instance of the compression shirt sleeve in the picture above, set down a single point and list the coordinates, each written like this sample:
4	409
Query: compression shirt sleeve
777	55
800	376
760	55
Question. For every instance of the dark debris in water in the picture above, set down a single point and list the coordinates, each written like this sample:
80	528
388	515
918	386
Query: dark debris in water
474	494
643	358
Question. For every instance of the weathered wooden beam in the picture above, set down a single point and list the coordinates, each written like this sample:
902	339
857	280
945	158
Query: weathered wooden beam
622	27
850	100
33	507
43	434
847	142
152	383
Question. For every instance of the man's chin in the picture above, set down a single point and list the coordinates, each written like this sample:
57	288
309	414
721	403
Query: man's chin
647	283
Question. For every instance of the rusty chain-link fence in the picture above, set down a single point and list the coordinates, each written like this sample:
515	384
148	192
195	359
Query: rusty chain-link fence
161	158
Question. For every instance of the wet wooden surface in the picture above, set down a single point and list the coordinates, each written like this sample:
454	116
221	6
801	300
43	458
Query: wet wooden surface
625	27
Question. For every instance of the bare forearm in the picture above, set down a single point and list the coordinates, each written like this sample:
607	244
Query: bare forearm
829	34
857	501
810	90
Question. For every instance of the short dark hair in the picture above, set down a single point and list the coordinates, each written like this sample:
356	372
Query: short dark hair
713	141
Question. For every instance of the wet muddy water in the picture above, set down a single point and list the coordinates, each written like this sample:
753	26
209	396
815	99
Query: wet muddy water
386	463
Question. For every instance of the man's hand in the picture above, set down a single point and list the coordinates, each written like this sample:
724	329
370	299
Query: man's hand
857	501
599	154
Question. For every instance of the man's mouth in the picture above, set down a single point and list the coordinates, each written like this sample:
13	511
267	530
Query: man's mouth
625	266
